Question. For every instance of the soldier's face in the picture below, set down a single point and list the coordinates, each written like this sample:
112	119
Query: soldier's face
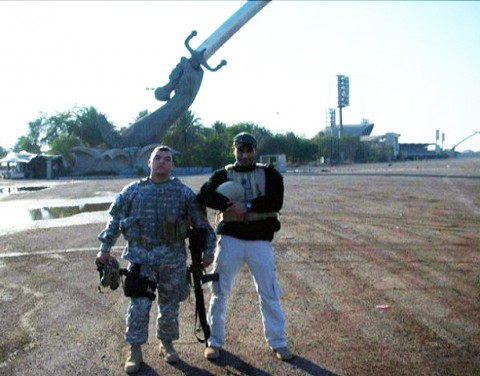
161	165
244	154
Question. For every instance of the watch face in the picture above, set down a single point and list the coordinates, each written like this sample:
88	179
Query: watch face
248	205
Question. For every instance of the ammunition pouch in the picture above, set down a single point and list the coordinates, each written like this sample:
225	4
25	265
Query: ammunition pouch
175	230
131	228
136	286
186	287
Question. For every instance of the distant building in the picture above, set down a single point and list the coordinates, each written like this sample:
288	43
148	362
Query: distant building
390	139
363	129
416	151
25	165
279	161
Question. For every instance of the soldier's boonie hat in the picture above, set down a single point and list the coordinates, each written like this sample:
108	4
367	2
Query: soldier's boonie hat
244	138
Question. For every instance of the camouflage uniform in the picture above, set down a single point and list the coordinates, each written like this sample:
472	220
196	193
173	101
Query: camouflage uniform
154	218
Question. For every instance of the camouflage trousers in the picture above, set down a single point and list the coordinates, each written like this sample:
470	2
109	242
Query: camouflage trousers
172	288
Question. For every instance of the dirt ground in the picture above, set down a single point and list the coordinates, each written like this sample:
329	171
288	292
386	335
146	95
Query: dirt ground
379	266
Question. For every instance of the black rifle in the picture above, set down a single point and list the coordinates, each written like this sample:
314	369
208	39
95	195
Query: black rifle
197	239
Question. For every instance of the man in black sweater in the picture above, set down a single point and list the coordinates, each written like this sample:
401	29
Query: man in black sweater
246	227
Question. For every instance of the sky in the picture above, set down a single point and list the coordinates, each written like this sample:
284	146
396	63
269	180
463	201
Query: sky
414	67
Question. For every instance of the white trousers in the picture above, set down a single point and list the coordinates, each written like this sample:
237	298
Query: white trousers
230	255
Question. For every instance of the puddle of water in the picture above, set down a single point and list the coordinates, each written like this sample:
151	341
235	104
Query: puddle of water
66	211
10	190
13	216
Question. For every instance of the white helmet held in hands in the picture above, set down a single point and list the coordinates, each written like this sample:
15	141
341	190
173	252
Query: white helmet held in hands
232	190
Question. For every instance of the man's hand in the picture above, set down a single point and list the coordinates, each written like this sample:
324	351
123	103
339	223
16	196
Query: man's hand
104	258
237	209
206	262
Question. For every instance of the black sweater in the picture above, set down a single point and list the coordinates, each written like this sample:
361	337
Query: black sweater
272	202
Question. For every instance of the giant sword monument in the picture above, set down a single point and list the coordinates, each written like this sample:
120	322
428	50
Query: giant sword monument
131	148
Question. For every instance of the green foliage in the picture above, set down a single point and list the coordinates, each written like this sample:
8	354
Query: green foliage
346	149
380	153
217	152
79	122
27	143
297	149
196	144
31	141
85	127
217	146
142	114
186	136
261	134
3	152
63	145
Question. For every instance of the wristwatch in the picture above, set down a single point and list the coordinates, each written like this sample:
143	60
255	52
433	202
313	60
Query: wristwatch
248	205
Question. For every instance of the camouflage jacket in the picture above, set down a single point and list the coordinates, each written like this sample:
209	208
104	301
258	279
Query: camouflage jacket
154	218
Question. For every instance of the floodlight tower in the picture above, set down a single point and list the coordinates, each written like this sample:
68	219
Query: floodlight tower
343	85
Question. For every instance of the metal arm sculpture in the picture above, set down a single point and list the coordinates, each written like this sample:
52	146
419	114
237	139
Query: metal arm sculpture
184	81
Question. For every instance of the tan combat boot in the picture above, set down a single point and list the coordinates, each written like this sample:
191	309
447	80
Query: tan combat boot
134	360
168	352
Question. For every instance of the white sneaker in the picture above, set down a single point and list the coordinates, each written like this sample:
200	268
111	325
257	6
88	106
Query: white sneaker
283	353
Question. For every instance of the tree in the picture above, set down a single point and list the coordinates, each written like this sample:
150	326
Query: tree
81	123
142	114
63	145
44	130
262	135
63	123
186	136
198	145
28	144
85	127
3	152
31	141
216	150
220	129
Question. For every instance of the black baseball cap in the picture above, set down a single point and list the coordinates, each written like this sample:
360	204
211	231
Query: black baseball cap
245	138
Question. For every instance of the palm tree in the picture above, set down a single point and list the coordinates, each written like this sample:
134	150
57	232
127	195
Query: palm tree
185	135
219	128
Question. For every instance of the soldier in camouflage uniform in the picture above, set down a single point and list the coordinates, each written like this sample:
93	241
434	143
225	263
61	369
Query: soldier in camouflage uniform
154	215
